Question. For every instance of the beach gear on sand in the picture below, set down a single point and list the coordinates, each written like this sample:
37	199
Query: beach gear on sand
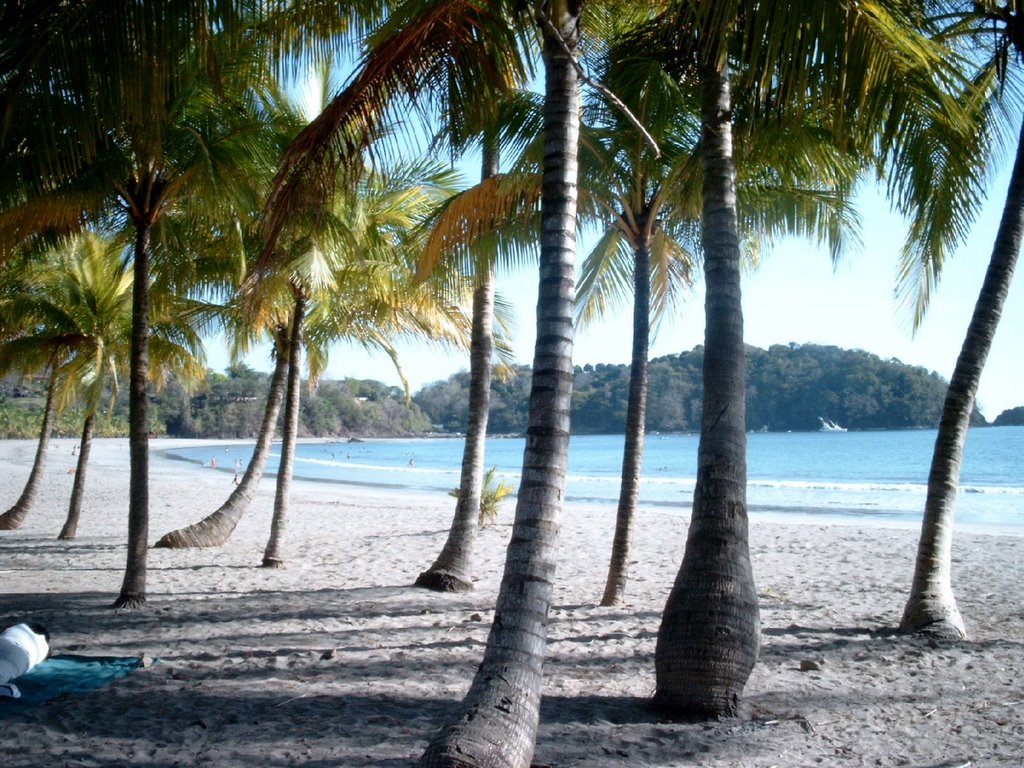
68	674
21	649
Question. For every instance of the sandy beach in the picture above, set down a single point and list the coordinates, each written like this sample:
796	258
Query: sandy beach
337	661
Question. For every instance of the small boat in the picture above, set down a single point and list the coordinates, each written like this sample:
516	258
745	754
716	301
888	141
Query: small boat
827	425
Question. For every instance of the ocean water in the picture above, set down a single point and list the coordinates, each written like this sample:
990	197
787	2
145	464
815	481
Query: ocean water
876	475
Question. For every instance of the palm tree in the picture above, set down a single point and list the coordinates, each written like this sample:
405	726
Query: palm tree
353	255
78	305
73	310
14	517
423	52
359	291
792	181
714	591
709	635
643	190
931	606
103	291
497	721
464	225
273	554
451	571
102	288
169	120
215	529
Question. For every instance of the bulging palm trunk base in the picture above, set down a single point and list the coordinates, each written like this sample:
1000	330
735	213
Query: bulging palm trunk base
13	518
443	581
934	616
130	602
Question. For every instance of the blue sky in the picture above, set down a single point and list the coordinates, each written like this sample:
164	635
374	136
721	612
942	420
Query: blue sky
794	296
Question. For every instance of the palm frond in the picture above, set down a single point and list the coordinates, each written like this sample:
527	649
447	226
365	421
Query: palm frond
495	217
451	47
605	284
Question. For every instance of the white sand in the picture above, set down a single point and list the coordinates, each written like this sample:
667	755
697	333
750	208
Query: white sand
337	661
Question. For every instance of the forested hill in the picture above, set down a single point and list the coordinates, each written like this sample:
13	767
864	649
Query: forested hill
788	388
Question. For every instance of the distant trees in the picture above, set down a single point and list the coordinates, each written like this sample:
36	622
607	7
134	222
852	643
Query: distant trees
1012	417
232	406
788	388
229	406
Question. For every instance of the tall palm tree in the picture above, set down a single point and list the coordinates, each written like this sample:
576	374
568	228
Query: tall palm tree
792	180
490	207
360	291
215	529
497	721
449	53
169	120
78	304
73	310
644	191
931	605
791	57
352	254
714	591
273	554
102	286
104	315
451	570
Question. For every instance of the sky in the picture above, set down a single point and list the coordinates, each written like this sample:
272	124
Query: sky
795	295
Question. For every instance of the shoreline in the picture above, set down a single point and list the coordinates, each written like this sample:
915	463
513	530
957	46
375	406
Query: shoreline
337	660
792	516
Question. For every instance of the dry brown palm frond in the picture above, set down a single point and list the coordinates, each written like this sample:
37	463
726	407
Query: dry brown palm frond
460	45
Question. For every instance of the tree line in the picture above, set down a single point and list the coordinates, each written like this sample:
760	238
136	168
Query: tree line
228	406
788	388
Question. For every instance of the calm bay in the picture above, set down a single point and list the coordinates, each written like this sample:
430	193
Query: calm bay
869	477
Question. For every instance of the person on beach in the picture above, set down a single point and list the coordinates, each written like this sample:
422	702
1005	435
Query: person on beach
238	471
22	646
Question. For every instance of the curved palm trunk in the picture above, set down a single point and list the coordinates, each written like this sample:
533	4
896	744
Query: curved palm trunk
133	588
496	723
932	606
14	517
70	528
708	639
273	556
453	569
217	527
633	451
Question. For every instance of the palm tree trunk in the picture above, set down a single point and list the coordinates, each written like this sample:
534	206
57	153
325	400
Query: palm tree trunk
932	606
708	639
14	517
496	723
453	569
70	528
133	588
273	555
636	412
215	529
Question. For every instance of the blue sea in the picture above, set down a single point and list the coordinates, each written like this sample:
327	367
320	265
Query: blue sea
878	475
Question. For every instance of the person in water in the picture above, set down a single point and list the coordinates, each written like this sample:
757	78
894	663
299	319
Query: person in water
22	646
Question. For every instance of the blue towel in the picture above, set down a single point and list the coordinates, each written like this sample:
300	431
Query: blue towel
69	674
